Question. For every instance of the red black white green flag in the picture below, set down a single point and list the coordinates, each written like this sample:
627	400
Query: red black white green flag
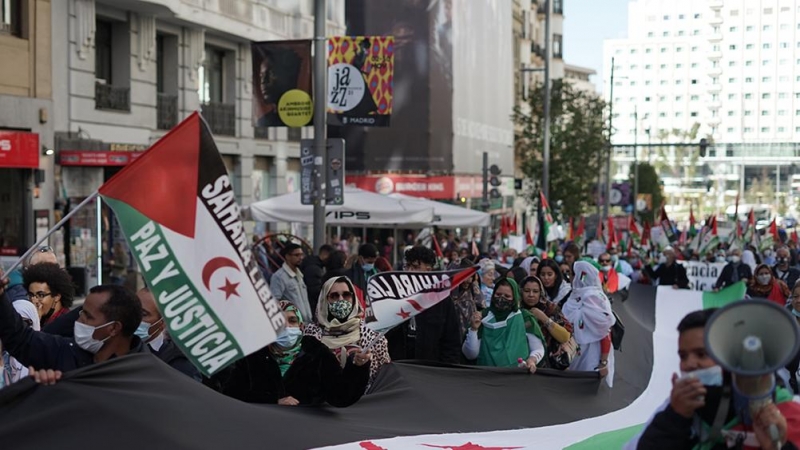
394	297
177	209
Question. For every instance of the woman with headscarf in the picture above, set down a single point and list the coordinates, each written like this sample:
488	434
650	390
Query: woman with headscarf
467	298
589	312
556	288
341	328
555	327
487	273
530	264
765	285
296	370
12	370
504	335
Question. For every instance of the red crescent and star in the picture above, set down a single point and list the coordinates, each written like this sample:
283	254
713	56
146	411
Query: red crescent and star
230	288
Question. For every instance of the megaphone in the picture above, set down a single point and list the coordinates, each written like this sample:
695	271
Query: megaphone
752	339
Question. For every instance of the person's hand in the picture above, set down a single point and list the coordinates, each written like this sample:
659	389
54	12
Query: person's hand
475	322
602	368
764	419
688	394
540	315
531	363
362	358
45	376
288	401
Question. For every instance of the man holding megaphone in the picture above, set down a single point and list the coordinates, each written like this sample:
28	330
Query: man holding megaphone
716	403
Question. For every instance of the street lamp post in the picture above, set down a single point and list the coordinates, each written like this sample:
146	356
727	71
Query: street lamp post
635	160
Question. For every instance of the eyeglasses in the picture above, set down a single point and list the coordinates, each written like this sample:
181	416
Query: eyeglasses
40	295
333	296
605	261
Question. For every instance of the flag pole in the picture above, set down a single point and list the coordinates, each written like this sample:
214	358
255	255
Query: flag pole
60	223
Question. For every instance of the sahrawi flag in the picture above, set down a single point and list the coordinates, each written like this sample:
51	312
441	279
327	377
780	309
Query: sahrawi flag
176	207
394	297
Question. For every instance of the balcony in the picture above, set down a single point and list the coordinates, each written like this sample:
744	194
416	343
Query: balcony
221	117
714	105
714	88
715	4
715	20
715	71
715	55
558	7
261	132
715	37
166	111
113	98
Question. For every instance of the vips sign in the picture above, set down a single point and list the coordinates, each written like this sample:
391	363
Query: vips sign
360	73
702	275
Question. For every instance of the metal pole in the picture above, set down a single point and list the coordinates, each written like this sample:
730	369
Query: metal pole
777	188
320	97
99	212
635	159
607	190
485	201
548	55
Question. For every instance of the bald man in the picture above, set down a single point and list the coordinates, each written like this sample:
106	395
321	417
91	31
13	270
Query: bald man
153	332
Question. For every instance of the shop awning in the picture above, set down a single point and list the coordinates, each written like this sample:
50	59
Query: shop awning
446	215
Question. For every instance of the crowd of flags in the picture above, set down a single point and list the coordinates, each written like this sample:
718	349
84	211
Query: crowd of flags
542	239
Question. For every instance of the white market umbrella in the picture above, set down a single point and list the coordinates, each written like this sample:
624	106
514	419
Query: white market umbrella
446	215
361	208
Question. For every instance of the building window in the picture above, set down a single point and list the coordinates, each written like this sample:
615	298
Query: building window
731	96
666	17
633	51
694	49
784	26
558	46
797	112
662	98
748	96
678	82
218	111
678	66
112	66
696	33
731	129
694	65
748	47
732	47
663	49
748	63
634	66
783	62
11	17
781	112
781	129
678	114
748	113
680	17
693	114
714	97
767	10
765	46
748	80
678	98
748	129
766	79
765	129
766	28
647	67
748	28
102	51
784	45
694	98
663	66
731	80
648	50
679	49
731	63
714	80
650	34
764	113
732	29
697	16
782	95
166	82
734	12
665	34
662	114
681	33
765	62
765	96
731	113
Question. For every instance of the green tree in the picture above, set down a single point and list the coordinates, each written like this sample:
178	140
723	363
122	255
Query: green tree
578	140
649	183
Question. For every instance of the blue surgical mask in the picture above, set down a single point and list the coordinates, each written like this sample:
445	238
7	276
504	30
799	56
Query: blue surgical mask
367	267
143	331
509	260
711	376
289	337
559	258
795	312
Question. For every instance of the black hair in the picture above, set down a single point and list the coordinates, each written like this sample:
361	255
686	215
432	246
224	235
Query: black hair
420	254
289	248
696	319
57	279
574	250
336	260
519	274
122	306
325	248
517	262
368	251
551	263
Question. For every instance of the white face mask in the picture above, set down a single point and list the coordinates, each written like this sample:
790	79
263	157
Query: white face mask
662	259
605	268
84	337
764	279
711	376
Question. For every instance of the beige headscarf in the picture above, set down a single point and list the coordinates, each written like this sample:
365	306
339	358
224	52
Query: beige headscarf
337	334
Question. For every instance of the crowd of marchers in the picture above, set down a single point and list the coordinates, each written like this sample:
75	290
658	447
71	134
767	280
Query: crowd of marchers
517	311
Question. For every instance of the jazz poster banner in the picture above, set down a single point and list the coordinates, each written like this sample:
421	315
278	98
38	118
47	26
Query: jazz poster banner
360	79
282	83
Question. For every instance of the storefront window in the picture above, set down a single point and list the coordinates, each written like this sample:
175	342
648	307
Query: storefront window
12	236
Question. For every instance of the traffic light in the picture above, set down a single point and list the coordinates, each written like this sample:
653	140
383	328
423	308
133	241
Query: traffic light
703	147
494	181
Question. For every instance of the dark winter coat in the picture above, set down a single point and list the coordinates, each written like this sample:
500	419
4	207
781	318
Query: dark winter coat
313	271
174	357
315	377
433	335
42	350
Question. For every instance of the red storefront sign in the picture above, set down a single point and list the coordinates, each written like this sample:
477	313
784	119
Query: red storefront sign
446	187
19	150
96	158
